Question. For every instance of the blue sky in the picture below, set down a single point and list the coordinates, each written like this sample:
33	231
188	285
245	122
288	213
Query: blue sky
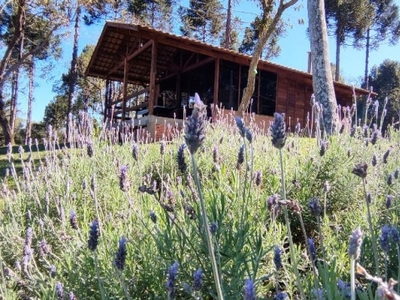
294	54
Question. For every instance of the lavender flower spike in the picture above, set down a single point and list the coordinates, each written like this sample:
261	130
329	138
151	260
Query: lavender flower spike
278	131
240	125
355	243
124	183
195	126
311	247
277	258
94	235
197	280
182	166
120	256
281	296
59	291
384	238
171	280
249	290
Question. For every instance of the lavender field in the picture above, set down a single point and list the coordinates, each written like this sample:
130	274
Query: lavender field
226	210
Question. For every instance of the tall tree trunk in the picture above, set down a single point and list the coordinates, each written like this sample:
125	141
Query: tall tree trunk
338	45
4	123
228	26
321	73
73	69
28	132
266	32
366	77
14	100
5	126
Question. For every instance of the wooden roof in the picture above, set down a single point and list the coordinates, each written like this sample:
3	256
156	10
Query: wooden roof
134	42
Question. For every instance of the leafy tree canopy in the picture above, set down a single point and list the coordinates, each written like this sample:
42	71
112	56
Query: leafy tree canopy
385	80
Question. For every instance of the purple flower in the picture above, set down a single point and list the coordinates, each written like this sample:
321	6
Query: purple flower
240	158
240	126
249	135
214	227
315	207
395	235
323	147
277	258
355	243
258	178
311	247
89	149
249	290
385	156
360	170
281	296
389	200
93	235
182	166
278	131
135	151
53	271
318	293
374	136
120	256
59	291
374	160
195	126
390	180
162	147
153	217
197	280
215	155
384	238
344	288
124	183
171	280
44	248
73	220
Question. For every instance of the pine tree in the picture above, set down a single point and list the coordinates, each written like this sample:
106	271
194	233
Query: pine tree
251	36
14	25
385	80
385	25
203	20
344	18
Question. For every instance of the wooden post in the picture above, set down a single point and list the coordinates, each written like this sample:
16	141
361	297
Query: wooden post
153	70
106	111
216	88
125	91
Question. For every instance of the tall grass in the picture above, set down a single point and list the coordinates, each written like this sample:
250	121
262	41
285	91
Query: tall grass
136	189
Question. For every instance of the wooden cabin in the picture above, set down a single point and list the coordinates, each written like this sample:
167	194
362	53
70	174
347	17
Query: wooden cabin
160	72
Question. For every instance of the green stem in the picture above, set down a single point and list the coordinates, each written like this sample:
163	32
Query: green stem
398	266
352	278
96	265
291	245
373	237
207	232
125	288
326	269
303	228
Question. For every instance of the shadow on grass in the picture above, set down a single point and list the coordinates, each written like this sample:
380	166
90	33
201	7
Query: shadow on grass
4	163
